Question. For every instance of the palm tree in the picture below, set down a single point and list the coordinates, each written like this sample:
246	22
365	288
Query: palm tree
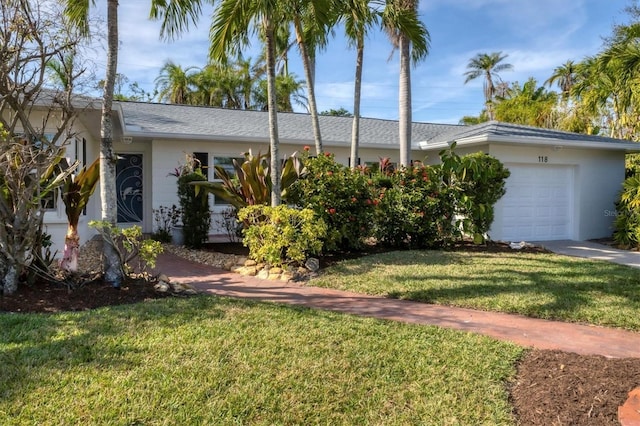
358	17
487	65
311	23
78	13
173	83
409	35
230	31
565	77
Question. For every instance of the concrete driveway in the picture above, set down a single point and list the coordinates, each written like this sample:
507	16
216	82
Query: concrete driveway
593	250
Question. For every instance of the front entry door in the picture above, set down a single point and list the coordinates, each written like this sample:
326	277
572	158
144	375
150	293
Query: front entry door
129	188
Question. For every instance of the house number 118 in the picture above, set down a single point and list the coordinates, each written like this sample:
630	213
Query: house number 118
543	159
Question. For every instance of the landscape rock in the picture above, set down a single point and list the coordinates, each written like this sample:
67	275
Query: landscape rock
312	264
250	262
162	287
263	274
250	271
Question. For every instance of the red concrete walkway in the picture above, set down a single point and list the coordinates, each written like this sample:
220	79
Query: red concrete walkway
541	334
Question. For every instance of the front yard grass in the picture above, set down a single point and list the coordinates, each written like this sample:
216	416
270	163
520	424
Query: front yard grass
537	285
206	360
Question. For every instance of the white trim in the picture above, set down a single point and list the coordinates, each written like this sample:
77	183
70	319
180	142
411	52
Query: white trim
521	140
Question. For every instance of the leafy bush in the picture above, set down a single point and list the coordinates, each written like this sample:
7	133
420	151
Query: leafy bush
627	222
479	182
196	217
416	208
280	235
129	245
343	198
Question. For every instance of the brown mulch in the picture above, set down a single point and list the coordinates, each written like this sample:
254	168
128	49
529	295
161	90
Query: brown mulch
551	387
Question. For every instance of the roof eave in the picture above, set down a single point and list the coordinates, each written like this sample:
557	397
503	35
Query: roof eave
485	138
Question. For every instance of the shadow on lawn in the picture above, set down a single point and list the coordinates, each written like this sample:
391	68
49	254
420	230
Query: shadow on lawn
548	293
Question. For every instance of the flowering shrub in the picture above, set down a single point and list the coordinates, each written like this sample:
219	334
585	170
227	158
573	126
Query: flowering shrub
344	199
280	235
416	208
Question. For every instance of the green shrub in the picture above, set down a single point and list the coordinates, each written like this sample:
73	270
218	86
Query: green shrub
416	208
627	222
480	182
129	245
281	235
196	217
343	198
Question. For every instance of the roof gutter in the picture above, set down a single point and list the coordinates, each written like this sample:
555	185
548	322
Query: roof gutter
486	138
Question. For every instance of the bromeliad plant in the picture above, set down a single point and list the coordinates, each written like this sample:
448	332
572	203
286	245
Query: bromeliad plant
251	183
76	191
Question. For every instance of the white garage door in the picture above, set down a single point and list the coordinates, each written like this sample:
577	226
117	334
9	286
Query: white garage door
537	204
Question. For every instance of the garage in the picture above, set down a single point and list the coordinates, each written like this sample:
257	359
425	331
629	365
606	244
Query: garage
538	203
563	186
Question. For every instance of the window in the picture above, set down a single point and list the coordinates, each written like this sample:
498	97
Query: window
227	164
202	162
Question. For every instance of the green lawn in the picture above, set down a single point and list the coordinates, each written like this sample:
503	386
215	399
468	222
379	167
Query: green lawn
206	360
538	285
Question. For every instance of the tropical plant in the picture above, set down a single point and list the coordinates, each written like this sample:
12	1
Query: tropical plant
565	77
251	183
627	222
76	191
174	83
409	35
528	105
487	65
129	245
281	235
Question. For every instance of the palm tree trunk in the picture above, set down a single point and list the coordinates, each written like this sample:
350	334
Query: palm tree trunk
274	144
112	270
309	75
355	127
404	101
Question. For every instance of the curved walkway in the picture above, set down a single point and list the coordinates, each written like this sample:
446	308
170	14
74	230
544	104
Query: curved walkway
537	333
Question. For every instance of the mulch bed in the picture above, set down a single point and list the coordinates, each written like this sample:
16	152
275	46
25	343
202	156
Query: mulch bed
551	387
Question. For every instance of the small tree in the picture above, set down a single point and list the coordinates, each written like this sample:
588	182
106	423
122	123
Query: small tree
76	191
36	126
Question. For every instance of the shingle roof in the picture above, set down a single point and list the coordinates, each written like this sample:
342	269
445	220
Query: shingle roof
498	129
153	120
167	120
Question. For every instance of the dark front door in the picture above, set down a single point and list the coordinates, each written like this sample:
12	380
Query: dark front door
129	188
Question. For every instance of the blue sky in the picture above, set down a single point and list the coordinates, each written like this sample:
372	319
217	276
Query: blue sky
538	35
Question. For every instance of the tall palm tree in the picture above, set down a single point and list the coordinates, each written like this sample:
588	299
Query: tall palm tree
487	65
173	83
359	17
409	35
311	22
565	77
78	13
